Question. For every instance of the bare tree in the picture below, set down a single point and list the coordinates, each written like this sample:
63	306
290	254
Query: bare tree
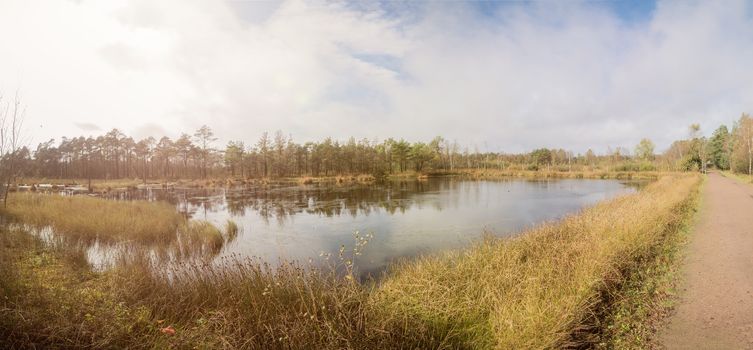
204	137
699	142
744	138
11	122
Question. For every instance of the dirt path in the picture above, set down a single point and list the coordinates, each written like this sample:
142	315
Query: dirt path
716	307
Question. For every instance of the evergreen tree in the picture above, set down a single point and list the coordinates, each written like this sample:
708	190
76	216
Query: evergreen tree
718	148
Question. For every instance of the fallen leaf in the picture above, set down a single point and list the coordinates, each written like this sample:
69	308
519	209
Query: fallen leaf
168	330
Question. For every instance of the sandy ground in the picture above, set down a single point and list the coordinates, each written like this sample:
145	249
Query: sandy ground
716	307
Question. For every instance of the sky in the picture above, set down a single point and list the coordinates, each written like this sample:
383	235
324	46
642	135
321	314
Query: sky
498	76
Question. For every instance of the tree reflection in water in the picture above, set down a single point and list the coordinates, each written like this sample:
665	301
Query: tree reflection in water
406	217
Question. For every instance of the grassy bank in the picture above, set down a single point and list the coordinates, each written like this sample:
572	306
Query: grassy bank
113	185
647	294
744	178
544	174
560	284
537	290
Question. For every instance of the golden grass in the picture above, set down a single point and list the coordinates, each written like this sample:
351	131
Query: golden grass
337	179
105	186
545	288
580	174
98	185
202	234
231	230
86	220
647	294
46	301
89	218
532	291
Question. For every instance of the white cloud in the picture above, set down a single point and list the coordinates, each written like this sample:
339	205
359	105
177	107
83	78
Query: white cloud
543	74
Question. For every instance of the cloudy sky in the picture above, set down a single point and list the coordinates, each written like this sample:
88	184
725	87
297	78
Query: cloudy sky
503	76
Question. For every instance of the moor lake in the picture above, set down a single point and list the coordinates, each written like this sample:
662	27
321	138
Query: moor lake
403	218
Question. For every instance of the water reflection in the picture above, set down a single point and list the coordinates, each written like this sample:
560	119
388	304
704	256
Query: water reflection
406	218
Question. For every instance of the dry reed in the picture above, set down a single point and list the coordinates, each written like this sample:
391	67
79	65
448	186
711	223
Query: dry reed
538	290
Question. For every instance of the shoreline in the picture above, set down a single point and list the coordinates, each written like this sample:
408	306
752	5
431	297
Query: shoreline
124	184
548	282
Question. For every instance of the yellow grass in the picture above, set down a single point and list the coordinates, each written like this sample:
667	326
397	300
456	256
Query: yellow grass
586	174
83	219
98	185
102	186
231	230
89	218
543	289
531	292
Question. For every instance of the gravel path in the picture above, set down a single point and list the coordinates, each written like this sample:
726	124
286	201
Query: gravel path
716	307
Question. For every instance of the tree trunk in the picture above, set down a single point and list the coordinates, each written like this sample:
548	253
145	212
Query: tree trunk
89	174
144	172
7	183
750	155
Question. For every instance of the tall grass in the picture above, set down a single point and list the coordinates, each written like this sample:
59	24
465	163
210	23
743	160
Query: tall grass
203	234
90	219
231	230
84	220
49	301
536	290
546	288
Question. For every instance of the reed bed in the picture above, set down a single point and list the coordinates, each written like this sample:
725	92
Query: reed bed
91	219
550	287
84	221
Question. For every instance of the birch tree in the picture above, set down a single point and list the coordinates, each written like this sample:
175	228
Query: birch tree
744	139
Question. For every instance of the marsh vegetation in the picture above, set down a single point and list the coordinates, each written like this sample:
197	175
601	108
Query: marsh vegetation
549	287
116	159
406	217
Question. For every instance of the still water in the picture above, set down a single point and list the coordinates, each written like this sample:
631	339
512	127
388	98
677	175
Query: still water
406	218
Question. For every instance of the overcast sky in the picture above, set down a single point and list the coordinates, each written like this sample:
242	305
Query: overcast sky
503	76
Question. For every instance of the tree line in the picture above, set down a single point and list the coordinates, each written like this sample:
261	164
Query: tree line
727	149
115	155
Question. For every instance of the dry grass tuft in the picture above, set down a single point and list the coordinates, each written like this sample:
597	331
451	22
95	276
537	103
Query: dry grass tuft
199	234
231	230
